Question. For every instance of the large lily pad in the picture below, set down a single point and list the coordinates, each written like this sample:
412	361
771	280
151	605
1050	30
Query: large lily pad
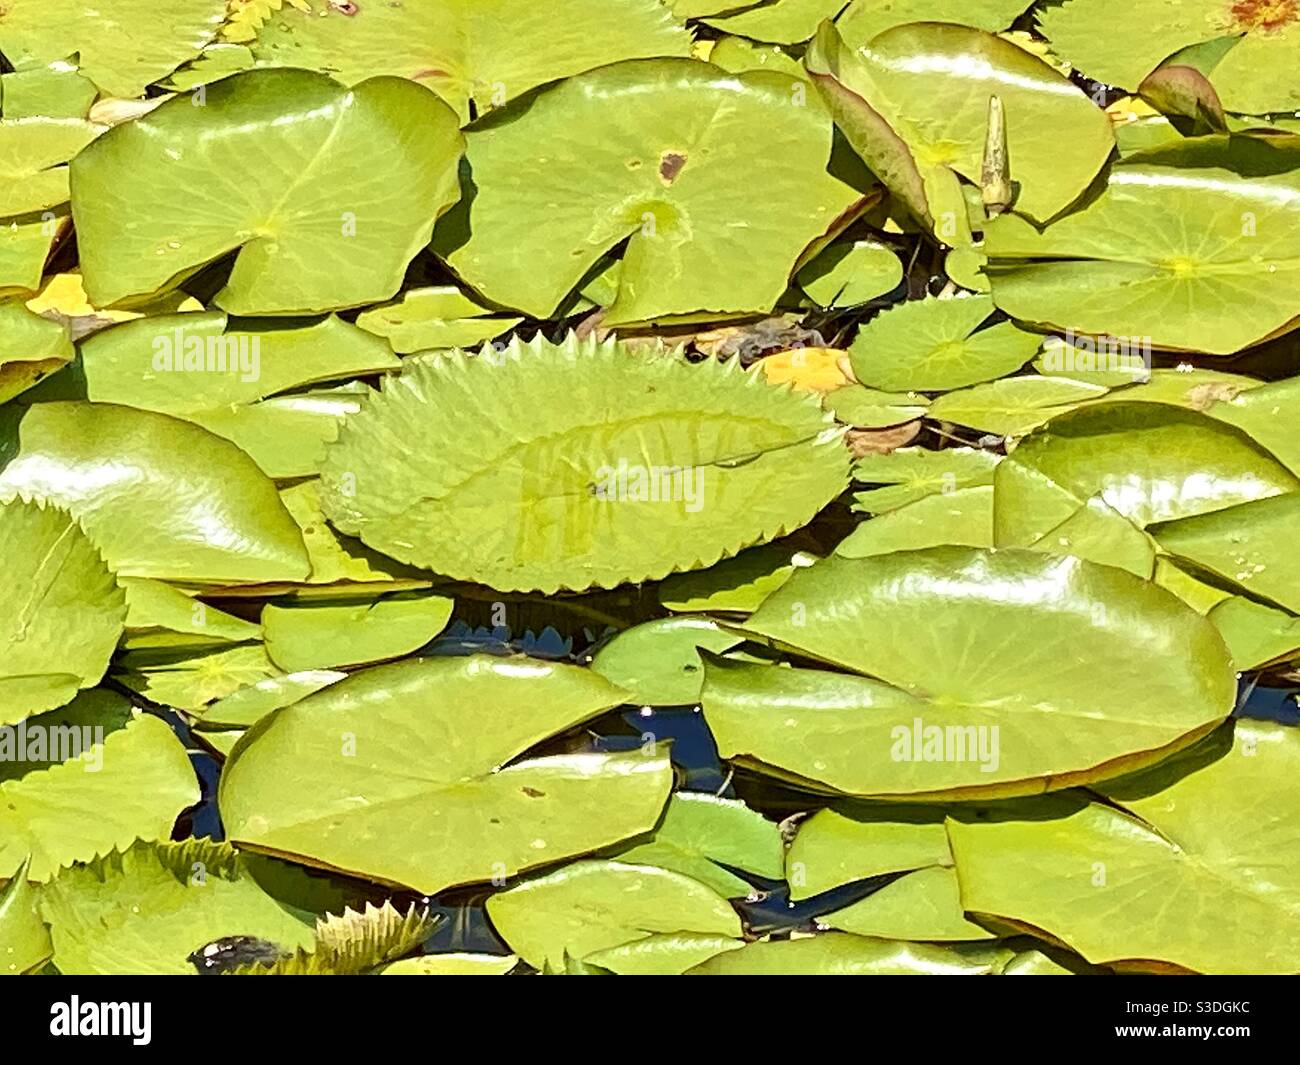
159	497
474	55
668	173
61	611
591	906
1187	258
991	671
578	464
1131	880
330	219
413	739
123	45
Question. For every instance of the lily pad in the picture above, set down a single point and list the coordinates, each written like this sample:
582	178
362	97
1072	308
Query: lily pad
475	56
591	906
159	497
734	585
662	954
934	345
843	954
1257	635
24	938
33	154
912	473
846	275
61	611
863	20
291	785
318	225
870	408
31	347
1013	406
658	662
438	317
777	21
1124	881
1169	676
668	163
573	495
452	964
188	677
964	516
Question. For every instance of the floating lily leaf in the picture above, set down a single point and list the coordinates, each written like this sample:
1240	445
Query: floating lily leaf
1266	414
61	611
131	784
932	345
734	585
321	229
428	318
864	19
778	21
1193	591
832	849
703	836
1100	533
1128	881
658	663
1122	47
246	707
912	473
1157	258
477	55
964	516
870	408
738	55
353	943
1013	406
1151	463
25	244
914	103
186	363
157	614
1256	635
334	558
1251	546
667	163
32	151
662	954
352	632
578	496
291	785
31	347
159	497
842	954
65	734
1169	676
189	677
845	275
805	369
122	47
591	906
62	298
146	909
56	90
452	965
24	939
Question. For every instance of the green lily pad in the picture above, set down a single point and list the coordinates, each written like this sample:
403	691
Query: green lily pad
964	516
247	706
477	55
738	55
25	244
1172	257
703	837
159	497
157	613
1257	635
777	21
352	632
662	954
832	849
865	19
1128	881
869	408
65	734
734	585
188	676
24	939
591	906
318	225
843	954
1013	406
933	345
875	615
1121	47
31	347
335	559
442	316
61	611
1251	546
1149	462
148	908
912	473
56	90
561	457
436	813
73	811
661	174
1100	533
123	45
33	154
453	964
1265	414
846	275
658	662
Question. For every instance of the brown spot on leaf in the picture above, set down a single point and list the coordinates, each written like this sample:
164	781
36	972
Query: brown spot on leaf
532	793
881	441
671	165
344	7
1264	14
